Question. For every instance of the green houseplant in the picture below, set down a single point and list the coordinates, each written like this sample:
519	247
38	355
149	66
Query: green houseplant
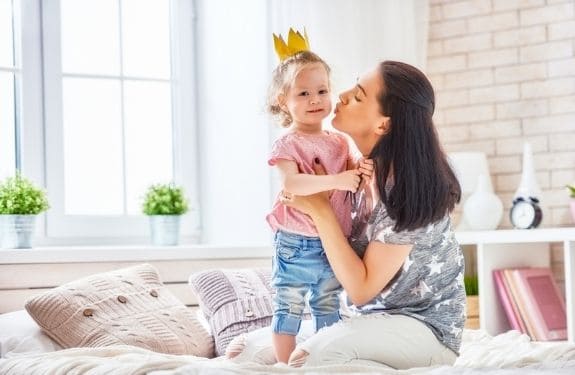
20	203
572	202
164	204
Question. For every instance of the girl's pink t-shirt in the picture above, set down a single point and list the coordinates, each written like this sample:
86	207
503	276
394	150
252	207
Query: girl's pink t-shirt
333	152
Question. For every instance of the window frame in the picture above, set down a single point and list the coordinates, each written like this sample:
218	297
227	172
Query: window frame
42	135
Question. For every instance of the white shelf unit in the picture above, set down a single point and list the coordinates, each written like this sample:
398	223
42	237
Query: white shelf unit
518	248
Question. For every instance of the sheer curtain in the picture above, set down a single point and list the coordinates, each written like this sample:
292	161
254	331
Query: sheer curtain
352	36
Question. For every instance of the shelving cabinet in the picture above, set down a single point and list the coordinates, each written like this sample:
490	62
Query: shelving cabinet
518	248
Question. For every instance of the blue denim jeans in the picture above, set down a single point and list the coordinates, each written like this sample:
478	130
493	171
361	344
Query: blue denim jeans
300	266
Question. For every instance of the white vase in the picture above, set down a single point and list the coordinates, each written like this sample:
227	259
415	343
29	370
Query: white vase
528	186
483	210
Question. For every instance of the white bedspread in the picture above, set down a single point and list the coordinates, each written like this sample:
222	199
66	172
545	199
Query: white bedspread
507	353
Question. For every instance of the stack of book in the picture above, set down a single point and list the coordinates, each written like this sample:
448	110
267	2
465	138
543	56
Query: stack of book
532	302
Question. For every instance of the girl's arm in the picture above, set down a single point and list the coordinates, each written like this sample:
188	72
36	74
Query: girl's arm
306	184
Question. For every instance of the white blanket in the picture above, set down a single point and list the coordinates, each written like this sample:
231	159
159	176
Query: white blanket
508	353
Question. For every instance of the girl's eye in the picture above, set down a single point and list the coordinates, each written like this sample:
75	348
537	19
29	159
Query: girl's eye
322	92
304	93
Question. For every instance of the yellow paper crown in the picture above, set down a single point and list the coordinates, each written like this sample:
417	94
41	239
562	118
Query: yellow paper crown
296	43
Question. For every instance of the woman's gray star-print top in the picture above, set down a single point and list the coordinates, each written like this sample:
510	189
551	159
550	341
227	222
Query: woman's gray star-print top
429	286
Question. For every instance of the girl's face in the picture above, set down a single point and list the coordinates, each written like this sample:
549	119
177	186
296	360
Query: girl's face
308	99
358	112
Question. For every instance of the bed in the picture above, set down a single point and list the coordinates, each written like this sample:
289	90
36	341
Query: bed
31	344
32	352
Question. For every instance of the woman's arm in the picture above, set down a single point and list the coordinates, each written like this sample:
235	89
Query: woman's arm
364	278
306	184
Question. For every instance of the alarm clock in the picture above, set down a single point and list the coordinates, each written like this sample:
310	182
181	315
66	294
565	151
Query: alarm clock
525	213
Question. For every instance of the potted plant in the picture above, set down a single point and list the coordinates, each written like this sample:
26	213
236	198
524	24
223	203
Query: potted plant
472	291
572	203
20	202
164	204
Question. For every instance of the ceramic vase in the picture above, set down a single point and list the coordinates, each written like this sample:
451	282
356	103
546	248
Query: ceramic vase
528	186
483	210
572	203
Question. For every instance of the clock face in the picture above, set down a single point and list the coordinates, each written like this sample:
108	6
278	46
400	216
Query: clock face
522	215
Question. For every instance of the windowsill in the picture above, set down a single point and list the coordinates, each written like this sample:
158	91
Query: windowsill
133	253
74	254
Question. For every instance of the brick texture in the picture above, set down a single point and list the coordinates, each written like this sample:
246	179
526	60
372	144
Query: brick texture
506	74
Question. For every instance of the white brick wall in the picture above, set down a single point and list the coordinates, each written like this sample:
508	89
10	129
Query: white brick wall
504	73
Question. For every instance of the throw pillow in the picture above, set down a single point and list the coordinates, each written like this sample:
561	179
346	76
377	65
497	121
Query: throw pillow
234	301
127	306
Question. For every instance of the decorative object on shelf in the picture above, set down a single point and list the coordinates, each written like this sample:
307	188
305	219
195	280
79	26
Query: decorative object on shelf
525	213
165	203
468	166
20	203
572	202
528	186
483	210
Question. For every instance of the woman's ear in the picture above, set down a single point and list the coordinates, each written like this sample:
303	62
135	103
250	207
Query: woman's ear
383	126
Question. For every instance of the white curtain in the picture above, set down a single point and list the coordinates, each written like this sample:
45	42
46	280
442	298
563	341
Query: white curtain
352	36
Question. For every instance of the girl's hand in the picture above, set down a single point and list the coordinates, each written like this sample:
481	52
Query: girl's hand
348	180
366	169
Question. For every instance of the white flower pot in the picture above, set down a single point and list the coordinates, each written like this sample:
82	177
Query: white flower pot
16	231
165	229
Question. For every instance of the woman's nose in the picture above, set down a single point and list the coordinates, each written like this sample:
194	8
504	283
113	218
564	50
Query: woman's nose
343	97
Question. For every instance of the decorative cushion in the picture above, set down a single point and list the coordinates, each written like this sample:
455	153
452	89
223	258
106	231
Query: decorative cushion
127	306
234	301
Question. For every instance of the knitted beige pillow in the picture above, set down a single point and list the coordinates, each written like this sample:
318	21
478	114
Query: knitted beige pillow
127	306
234	301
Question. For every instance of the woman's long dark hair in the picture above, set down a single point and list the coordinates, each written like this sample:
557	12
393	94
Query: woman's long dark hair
424	187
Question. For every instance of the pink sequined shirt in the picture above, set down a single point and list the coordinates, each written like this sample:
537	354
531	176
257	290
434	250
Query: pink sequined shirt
333	152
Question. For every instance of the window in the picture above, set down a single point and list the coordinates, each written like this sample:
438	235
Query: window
9	81
113	89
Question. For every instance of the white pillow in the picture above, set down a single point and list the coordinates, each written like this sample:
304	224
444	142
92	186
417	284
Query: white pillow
19	334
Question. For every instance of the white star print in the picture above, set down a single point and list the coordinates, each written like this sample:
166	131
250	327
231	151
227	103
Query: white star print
445	302
421	289
435	266
408	262
454	330
385	232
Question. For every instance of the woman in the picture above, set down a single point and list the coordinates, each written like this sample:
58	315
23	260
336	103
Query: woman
401	269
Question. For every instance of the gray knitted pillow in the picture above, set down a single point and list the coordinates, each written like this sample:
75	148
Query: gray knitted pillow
234	301
127	306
